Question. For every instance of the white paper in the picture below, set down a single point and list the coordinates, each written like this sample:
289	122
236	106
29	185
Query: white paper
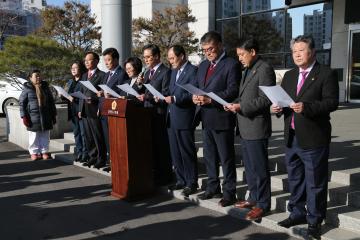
128	89
62	92
193	90
153	91
217	99
108	90
277	95
79	95
89	86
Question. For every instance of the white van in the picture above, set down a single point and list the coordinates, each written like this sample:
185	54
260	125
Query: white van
10	90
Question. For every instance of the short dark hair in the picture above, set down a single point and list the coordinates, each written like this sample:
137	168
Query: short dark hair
248	44
178	50
32	72
211	36
95	55
155	50
303	38
112	52
136	63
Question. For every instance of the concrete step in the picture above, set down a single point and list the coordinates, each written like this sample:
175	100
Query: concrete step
346	177
344	217
270	221
69	136
61	144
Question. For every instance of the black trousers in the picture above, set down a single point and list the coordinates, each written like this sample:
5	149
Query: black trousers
255	157
308	181
161	151
219	148
183	155
94	140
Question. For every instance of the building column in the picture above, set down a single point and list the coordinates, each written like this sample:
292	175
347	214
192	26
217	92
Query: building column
116	26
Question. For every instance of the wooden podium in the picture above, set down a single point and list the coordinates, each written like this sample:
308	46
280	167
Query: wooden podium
130	148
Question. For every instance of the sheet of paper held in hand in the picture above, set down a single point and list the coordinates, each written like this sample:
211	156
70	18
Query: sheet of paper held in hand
277	95
217	99
79	95
109	90
193	90
62	92
89	86
153	91
128	89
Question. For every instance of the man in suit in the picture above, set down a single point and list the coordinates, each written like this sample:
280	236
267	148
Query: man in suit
253	114
219	74
180	117
88	110
315	90
158	75
115	76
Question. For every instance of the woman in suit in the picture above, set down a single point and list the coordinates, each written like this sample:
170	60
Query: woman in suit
77	70
133	67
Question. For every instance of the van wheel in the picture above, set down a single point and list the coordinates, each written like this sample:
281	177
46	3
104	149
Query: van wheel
9	102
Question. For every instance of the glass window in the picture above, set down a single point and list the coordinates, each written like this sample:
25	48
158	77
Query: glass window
229	29
260	5
267	28
227	8
274	29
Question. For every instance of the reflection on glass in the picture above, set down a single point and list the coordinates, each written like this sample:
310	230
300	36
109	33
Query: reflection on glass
355	67
227	8
313	20
267	28
230	34
249	6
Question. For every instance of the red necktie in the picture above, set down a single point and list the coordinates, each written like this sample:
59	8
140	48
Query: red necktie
210	72
298	88
89	74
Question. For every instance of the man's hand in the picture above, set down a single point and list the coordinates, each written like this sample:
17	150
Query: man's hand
276	109
100	93
106	95
79	115
168	99
204	100
71	99
297	107
156	99
141	97
195	99
233	107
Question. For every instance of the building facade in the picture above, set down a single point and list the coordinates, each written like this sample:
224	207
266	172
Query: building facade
19	17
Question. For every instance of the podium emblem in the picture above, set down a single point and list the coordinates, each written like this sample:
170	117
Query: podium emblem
113	105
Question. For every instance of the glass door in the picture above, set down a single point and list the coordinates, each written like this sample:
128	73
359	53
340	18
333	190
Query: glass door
354	67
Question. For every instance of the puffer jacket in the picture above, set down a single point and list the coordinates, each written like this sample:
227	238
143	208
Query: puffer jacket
43	118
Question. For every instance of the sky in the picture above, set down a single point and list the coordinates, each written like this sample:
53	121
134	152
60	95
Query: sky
61	2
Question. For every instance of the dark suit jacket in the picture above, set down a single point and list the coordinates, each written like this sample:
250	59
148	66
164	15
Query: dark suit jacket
225	83
254	117
118	78
320	95
90	110
181	112
160	81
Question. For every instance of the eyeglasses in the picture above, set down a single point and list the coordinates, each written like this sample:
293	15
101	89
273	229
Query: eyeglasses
208	50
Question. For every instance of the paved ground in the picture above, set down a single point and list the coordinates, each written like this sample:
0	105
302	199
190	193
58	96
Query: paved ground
49	200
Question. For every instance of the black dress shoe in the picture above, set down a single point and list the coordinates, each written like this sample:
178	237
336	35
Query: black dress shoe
107	169
99	165
188	191
289	222
207	195
89	163
84	159
226	202
177	186
314	231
